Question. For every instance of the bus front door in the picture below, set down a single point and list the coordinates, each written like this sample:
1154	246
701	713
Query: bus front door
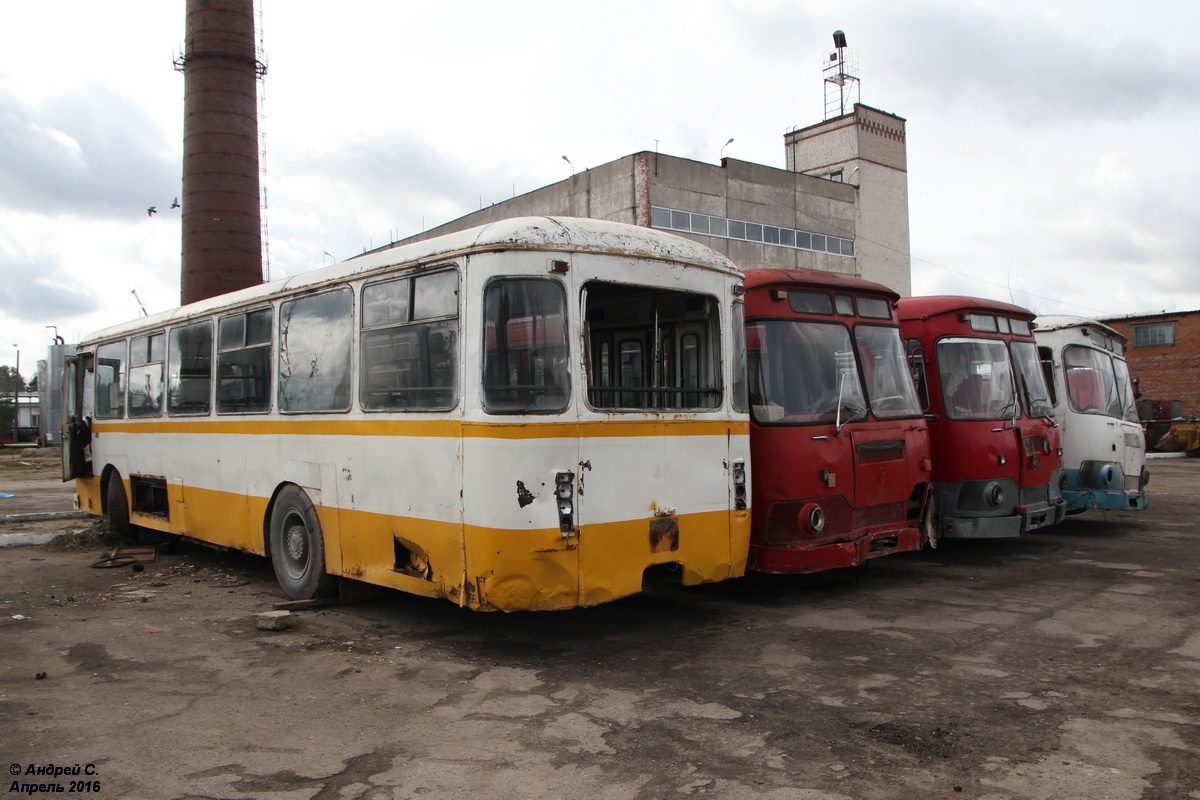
76	428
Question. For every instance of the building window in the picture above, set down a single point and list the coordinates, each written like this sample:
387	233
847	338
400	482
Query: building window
1155	334
669	219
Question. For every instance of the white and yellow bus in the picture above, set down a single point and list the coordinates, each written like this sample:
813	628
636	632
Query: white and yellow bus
526	415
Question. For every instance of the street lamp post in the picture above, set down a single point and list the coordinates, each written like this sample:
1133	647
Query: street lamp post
17	396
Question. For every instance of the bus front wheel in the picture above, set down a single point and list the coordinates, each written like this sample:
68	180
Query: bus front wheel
116	505
297	546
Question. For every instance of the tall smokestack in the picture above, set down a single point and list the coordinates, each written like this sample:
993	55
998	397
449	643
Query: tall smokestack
222	233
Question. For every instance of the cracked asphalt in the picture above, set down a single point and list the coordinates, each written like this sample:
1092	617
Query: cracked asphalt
1062	665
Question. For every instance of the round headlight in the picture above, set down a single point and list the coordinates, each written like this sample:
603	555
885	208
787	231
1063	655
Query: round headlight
994	495
812	516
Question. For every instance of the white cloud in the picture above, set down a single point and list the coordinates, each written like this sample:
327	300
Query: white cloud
1050	145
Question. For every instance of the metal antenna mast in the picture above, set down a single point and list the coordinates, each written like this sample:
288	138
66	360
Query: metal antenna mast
841	78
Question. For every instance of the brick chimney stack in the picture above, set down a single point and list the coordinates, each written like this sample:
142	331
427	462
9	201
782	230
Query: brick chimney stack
222	232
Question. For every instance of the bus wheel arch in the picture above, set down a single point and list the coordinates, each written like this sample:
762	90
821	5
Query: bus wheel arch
115	501
296	544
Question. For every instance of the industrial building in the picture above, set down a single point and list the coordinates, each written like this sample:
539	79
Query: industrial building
840	205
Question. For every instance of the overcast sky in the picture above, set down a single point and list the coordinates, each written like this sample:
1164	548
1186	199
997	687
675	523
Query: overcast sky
1052	145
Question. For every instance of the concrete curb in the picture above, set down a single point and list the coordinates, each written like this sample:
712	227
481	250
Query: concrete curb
41	516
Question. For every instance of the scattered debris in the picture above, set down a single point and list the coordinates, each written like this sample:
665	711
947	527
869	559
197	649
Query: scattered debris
300	605
273	620
129	557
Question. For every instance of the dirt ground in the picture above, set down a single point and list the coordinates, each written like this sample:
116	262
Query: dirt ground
1063	666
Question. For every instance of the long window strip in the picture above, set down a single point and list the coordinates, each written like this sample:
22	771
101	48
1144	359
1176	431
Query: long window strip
690	222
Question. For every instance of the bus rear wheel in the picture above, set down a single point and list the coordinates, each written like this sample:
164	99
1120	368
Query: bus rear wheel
297	546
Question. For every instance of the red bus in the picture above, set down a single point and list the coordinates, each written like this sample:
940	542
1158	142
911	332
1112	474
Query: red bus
839	445
997	451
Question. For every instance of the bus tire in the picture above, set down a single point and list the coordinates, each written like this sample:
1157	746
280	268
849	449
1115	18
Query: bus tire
298	546
116	505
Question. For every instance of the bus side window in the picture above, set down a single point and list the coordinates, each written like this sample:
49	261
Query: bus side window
409	344
740	399
1046	356
244	362
916	361
110	385
314	352
189	369
146	356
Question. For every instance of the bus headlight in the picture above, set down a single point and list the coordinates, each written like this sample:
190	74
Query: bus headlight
812	516
993	495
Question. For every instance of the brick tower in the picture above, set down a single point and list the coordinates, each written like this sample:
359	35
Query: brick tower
222	233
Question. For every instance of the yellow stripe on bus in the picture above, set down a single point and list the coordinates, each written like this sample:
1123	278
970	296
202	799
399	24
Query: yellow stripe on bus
474	566
432	428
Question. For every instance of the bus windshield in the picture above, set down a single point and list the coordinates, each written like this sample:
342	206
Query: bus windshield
1125	389
1094	387
976	377
803	372
1032	380
889	383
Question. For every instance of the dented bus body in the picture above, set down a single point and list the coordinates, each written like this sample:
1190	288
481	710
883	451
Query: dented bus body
839	444
997	450
1104	444
526	415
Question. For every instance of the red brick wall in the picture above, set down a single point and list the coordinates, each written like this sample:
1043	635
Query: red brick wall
1168	372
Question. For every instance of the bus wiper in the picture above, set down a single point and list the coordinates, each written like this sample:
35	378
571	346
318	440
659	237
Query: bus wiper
1038	409
837	424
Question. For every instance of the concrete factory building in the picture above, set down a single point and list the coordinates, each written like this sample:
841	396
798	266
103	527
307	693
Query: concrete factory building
840	205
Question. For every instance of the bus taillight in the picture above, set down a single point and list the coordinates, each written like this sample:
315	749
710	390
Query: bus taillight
739	484
564	490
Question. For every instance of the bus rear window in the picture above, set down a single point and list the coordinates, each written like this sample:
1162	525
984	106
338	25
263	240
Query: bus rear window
525	347
651	349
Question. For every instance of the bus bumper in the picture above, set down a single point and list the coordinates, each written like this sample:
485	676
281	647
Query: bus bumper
783	560
1116	501
1023	520
1104	485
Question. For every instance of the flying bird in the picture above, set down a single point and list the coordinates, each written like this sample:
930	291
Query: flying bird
175	203
150	211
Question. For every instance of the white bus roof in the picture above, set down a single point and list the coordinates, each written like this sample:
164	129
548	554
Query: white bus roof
550	234
1058	322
